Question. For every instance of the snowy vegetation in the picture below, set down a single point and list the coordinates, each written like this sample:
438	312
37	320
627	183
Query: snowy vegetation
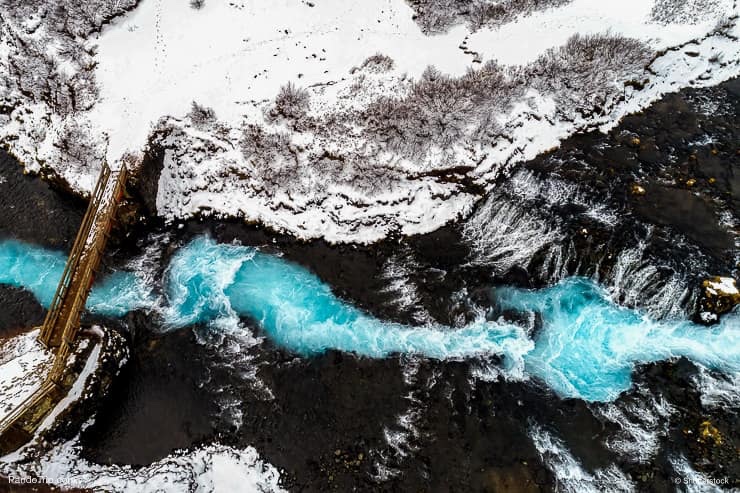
370	150
439	15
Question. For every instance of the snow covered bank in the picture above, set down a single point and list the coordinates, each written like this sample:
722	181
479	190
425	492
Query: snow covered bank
23	366
211	468
362	140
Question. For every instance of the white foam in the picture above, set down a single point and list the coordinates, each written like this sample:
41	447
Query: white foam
642	423
690	480
637	281
405	295
718	390
504	234
569	474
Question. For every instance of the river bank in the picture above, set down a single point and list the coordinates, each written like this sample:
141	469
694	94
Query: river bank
412	423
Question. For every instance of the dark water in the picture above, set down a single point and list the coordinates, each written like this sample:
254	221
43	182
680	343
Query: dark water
315	417
35	213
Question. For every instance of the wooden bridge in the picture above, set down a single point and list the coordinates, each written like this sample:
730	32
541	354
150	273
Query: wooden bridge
62	322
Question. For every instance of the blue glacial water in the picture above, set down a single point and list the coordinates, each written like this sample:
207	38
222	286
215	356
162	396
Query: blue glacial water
587	347
38	270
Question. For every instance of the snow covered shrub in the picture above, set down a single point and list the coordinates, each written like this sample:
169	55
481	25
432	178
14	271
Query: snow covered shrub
201	116
48	64
291	103
439	111
435	16
41	77
197	4
725	24
71	18
78	145
377	63
262	147
581	74
685	11
484	13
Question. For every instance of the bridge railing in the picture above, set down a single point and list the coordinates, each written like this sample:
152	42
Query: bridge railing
62	321
47	336
86	270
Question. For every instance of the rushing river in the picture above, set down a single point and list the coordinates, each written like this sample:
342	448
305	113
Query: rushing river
586	348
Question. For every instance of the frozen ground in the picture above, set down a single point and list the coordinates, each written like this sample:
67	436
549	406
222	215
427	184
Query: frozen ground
210	468
23	366
322	118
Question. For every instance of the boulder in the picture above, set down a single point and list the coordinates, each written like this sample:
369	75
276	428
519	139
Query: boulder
719	295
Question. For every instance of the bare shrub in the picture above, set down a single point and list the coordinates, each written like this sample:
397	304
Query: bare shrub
684	11
582	74
484	13
440	110
378	63
435	16
725	24
197	4
291	103
259	145
201	116
60	74
39	76
76	143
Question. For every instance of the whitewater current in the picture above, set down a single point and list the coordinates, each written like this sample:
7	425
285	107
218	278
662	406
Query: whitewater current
586	347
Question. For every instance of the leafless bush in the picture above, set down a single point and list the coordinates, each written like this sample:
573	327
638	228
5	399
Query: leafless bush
436	16
440	110
484	13
71	17
291	103
378	63
583	72
197	4
725	24
38	75
259	145
60	74
201	116
77	144
685	11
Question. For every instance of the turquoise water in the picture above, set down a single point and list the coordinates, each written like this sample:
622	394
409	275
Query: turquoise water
587	347
38	270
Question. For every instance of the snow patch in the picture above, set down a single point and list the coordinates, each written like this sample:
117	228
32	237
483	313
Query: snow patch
213	468
75	393
24	364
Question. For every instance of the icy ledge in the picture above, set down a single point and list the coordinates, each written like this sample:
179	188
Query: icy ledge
210	468
366	141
